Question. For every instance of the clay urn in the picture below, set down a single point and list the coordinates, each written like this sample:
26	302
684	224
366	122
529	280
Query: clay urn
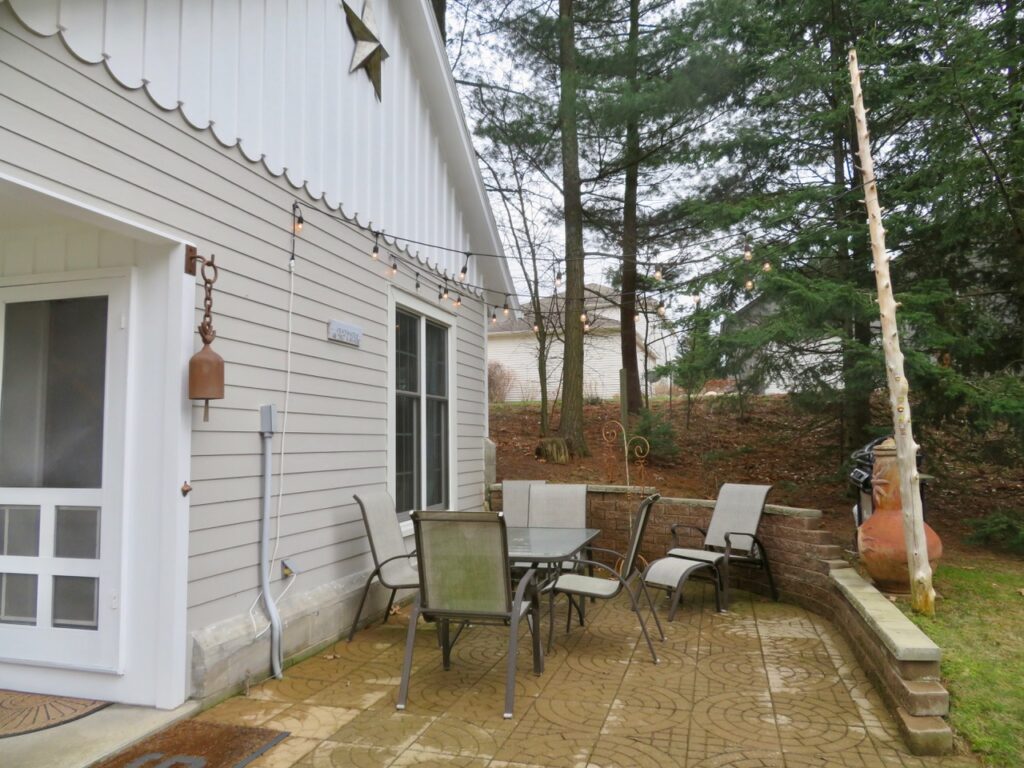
883	548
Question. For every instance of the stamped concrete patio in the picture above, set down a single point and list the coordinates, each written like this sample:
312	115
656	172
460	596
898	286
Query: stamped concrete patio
765	685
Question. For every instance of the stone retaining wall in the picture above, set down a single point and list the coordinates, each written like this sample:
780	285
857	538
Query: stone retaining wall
809	571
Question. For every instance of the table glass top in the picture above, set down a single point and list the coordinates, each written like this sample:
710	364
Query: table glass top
548	544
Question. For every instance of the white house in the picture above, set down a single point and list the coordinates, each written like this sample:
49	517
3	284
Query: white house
129	134
512	344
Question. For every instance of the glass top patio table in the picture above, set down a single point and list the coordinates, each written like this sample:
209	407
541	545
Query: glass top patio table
547	545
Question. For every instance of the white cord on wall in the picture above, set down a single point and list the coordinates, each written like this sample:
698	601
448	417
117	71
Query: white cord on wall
280	473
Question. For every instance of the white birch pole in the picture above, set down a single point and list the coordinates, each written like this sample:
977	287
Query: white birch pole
922	595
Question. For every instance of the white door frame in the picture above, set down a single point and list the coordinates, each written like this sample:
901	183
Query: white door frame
154	646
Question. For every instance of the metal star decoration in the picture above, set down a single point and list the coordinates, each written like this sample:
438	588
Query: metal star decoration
369	53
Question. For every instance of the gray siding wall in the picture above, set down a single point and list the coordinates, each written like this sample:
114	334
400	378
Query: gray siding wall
67	126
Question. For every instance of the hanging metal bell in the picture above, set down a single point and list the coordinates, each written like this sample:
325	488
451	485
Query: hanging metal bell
206	378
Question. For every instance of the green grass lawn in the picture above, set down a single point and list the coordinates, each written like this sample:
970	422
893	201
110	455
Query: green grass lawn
979	625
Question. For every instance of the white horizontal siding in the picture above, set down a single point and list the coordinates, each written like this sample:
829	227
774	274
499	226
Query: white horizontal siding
66	126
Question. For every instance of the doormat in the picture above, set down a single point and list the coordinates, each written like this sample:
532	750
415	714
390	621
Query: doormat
197	744
27	712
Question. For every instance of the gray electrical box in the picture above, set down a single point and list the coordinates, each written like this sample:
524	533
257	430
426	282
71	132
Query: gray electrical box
268	416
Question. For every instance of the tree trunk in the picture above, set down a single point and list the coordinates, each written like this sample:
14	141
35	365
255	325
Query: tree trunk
571	422
627	307
922	596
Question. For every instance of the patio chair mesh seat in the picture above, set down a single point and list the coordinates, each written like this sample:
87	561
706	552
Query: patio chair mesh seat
588	586
576	584
464	576
392	563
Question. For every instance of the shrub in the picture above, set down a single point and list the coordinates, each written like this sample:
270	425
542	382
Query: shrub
1002	528
658	431
499	382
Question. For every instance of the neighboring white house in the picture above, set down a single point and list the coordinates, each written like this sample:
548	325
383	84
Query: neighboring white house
129	132
512	344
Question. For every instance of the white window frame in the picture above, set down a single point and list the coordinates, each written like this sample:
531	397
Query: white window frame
41	644
401	300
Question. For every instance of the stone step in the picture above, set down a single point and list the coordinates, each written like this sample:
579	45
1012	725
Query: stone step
925	735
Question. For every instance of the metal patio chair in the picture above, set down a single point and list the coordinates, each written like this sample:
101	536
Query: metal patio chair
391	561
464	577
582	586
515	501
730	539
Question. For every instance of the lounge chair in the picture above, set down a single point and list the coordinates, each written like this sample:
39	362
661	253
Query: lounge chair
464	577
730	539
391	561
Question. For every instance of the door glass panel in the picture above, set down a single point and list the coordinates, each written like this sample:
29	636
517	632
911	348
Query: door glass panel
18	598
19	531
77	532
75	602
51	393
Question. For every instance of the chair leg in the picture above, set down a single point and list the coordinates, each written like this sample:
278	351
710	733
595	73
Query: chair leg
446	645
654	612
721	603
768	570
510	672
538	650
677	596
410	643
551	622
643	623
724	576
359	610
391	601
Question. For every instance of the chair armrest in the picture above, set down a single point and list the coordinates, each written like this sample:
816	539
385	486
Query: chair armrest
728	541
676	527
396	557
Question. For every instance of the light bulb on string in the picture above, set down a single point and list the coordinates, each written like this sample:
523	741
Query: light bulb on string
465	270
536	327
558	278
766	267
749	285
748	251
440	292
394	266
657	273
444	292
494	317
661	309
504	309
297	220
417	281
586	327
583	317
375	253
458	301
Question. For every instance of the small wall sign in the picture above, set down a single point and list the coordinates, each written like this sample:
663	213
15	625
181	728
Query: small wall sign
344	333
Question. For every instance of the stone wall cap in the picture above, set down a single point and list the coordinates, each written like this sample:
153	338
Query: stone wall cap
770	509
639	490
899	634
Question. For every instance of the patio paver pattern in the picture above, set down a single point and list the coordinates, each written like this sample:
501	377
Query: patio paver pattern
764	685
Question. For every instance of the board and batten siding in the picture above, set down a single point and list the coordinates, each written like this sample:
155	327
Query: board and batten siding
67	126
